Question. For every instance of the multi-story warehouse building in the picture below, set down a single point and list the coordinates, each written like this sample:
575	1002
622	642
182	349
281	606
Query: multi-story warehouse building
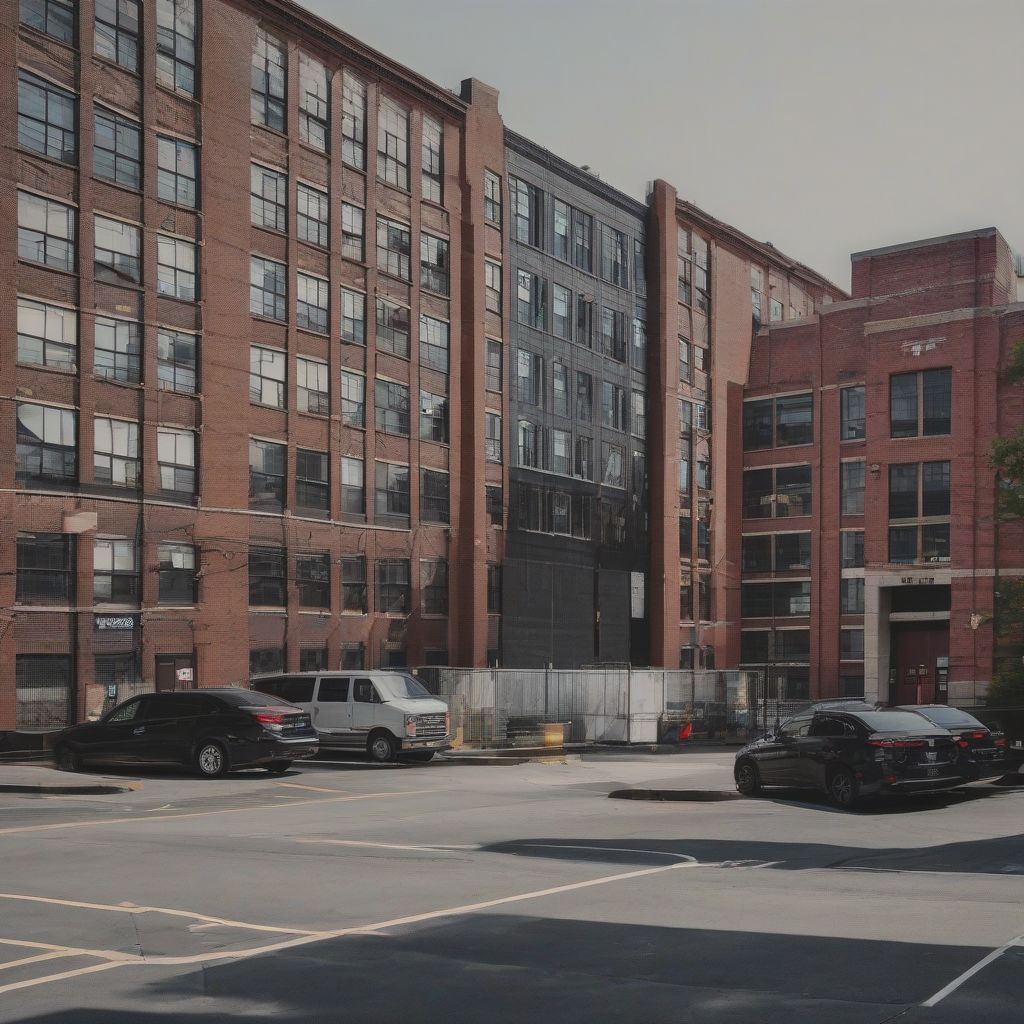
309	362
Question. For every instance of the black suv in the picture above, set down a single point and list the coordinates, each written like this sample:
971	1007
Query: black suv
848	750
212	731
982	752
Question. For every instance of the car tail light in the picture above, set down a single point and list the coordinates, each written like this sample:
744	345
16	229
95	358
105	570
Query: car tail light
976	735
1001	742
964	744
889	779
897	744
271	718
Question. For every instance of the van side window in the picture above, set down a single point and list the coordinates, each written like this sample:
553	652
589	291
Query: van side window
297	691
365	692
333	691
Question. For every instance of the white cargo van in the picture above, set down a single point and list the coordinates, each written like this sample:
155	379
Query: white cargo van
390	715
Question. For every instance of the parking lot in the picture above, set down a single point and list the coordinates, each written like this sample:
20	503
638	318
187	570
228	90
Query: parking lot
349	892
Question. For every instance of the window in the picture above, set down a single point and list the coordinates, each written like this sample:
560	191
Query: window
177	171
851	414
530	378
46	568
777	493
851	488
115	577
266	475
314	659
561	223
492	439
530	445
560	388
268	288
903	490
353	121
117	252
494	372
492	197
704	599
353	487
177	363
434	341
639	415
701	417
756	294
393	143
176	459
685	418
584	397
394	593
353	232
177	572
46	119
313	581
392	407
312	488
118	348
268	198
176	268
353	584
613	333
267	376
583	240
494	504
47	335
353	317
47	441
267	85
774	309
311	303
640	265
433	417
493	588
531	299
703	474
176	44
613	406
852	549
935	497
391	497
393	248
312	393
353	399
116	452
434	497
851	644
561	454
639	340
686	539
686	599
781	599
791	416
560	514
584	321
614	468
434	263
433	159
492	286
54	17
266	660
757	553
851	596
685	460
792	551
920	404
583	458
314	103
614	256
267	579
527	202
312	215
700	358
117	149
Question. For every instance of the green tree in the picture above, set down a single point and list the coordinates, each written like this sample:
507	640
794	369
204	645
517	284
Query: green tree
1007	687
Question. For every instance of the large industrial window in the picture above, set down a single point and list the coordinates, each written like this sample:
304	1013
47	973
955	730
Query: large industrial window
492	197
115	578
117	149
118	251
176	44
267	376
393	589
778	422
434	263
267	87
433	417
267	577
393	248
116	452
312	485
177	171
117	349
311	302
313	580
527	203
391	494
851	488
46	119
392	327
851	414
54	17
311	386
353	121
47	335
266	475
312	215
920	404
393	143
492	436
391	401
268	288
353	232
353	584
176	271
353	317
314	103
353	487
46	568
353	399
531	299
435	504
177	362
268	198
176	459
177	571
46	443
777	493
433	159
614	256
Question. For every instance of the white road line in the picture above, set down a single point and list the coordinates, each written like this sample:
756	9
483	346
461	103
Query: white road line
135	909
55	954
968	974
618	849
386	846
46	979
262	808
315	789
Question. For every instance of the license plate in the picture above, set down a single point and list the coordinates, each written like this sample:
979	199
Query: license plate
930	756
932	772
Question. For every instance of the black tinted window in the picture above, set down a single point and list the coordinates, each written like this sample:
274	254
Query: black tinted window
796	727
365	692
173	706
248	698
126	712
296	691
895	721
333	691
825	725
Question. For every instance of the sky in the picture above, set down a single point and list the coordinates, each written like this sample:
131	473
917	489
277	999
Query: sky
822	126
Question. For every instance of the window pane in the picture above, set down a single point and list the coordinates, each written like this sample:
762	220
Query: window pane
937	386
903	405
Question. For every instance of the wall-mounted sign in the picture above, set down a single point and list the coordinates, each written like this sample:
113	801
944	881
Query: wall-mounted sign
183	675
105	622
912	580
636	594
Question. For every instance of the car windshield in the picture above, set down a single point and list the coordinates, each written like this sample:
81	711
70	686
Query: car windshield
404	687
951	718
895	721
249	699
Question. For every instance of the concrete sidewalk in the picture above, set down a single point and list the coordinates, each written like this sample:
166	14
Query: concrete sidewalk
44	779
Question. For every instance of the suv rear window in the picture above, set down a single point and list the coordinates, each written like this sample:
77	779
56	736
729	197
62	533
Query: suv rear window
297	691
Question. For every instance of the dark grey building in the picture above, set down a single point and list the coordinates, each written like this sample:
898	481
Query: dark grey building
575	566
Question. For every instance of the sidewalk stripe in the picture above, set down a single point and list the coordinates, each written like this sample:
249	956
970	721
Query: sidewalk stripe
971	972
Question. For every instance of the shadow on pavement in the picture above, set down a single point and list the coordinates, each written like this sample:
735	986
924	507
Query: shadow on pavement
508	969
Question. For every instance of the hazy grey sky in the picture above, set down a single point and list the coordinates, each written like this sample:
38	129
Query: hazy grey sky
823	126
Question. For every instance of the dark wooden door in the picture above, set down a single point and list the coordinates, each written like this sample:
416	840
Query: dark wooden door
917	648
167	666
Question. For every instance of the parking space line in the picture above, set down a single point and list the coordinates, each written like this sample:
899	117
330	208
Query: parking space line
315	789
972	971
52	955
134	909
58	826
388	846
63	976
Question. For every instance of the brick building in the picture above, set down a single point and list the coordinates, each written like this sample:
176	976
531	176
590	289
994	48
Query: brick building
310	362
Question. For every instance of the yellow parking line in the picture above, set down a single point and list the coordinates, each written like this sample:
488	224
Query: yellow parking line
32	959
263	809
62	976
315	789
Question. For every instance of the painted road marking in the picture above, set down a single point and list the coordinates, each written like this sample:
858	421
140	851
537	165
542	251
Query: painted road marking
970	972
315	789
46	979
388	846
53	955
204	814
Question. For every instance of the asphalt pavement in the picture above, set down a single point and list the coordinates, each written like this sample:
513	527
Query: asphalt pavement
467	893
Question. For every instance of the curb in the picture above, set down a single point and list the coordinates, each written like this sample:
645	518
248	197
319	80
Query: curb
95	790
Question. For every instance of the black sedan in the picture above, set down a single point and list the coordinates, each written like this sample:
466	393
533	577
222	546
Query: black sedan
982	752
211	731
849	750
